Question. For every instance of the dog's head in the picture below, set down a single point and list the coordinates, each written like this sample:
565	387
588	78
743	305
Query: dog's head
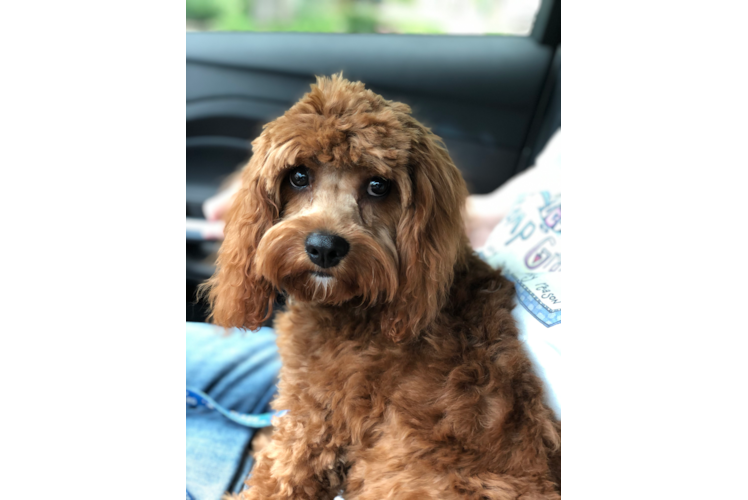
347	200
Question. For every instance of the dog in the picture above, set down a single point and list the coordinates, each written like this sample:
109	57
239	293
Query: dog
402	372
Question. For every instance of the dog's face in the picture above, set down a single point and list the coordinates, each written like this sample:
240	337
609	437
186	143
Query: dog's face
347	200
336	236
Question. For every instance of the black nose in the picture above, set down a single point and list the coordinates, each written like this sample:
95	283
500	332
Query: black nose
326	250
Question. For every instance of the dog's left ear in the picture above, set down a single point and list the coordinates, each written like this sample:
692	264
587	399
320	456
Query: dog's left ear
238	295
430	236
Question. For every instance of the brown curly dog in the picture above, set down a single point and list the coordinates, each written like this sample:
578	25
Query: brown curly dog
402	371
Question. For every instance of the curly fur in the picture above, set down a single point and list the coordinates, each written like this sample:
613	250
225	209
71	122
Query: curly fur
402	373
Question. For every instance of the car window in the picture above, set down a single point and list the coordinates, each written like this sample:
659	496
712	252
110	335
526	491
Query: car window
456	17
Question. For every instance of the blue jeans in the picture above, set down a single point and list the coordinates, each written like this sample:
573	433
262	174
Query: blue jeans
240	372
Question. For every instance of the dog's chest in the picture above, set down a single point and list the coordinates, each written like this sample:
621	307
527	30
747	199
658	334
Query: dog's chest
342	373
443	392
372	382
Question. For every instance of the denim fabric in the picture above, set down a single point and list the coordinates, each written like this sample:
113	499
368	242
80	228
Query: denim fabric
239	371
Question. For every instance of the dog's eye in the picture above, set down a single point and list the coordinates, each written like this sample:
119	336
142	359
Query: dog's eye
299	177
378	187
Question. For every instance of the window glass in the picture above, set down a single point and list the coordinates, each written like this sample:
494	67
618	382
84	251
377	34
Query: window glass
458	17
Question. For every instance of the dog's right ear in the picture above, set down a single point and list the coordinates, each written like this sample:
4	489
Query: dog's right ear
238	296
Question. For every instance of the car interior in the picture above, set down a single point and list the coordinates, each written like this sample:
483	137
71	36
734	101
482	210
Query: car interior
493	99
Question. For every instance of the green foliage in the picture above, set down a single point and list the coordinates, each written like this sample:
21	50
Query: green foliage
222	15
313	17
416	27
201	10
317	16
361	17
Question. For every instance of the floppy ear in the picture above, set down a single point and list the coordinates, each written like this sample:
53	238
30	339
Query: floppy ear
238	296
430	236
